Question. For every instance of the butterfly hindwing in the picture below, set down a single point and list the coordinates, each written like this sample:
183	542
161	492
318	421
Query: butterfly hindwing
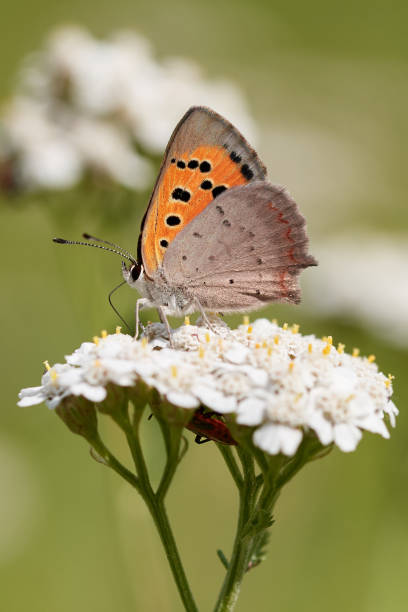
246	248
206	156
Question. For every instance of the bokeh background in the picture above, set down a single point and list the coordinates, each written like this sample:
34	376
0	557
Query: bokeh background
326	86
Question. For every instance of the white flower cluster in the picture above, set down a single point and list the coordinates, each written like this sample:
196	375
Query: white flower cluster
269	378
84	103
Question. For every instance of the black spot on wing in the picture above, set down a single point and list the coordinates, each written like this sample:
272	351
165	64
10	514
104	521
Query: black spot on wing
205	166
181	164
246	172
193	164
206	184
181	194
218	190
173	220
235	157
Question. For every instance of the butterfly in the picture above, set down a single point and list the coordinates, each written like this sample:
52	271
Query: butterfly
217	235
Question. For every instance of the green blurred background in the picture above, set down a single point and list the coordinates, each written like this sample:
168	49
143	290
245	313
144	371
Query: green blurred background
327	84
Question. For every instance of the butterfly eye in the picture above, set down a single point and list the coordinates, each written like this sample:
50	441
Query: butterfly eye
135	271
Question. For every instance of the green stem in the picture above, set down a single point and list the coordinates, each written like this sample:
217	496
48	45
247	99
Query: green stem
113	463
155	501
133	439
159	515
243	544
229	459
172	436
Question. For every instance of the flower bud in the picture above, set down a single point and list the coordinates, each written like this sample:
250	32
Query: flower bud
79	415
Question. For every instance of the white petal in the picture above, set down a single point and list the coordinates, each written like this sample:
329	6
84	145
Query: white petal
343	380
81	354
275	439
392	412
184	400
31	400
144	369
347	437
290	439
375	424
31	392
237	354
257	376
215	399
251	411
93	393
321	426
263	327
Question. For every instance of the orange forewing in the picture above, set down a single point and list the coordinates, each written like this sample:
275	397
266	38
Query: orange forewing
224	173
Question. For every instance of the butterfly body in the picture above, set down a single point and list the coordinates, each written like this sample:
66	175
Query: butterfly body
217	236
159	293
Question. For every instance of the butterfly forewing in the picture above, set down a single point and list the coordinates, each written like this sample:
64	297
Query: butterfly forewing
206	156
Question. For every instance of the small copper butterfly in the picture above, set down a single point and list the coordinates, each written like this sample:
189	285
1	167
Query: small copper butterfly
216	235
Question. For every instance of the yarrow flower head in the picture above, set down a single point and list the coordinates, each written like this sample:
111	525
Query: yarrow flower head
268	384
272	399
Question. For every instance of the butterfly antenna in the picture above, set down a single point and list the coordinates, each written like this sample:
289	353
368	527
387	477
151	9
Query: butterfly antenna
96	246
110	302
112	244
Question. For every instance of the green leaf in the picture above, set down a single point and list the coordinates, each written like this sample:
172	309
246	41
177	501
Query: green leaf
259	553
258	522
223	558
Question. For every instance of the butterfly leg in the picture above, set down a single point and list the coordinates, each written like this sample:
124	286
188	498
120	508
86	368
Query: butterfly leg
163	319
205	318
139	305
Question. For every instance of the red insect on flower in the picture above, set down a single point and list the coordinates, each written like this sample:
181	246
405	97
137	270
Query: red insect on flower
208	427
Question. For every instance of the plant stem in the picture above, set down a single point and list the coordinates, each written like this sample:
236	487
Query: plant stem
229	459
111	461
159	515
242	544
155	500
173	438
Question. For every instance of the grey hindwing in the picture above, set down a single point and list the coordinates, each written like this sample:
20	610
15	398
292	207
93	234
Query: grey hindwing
247	247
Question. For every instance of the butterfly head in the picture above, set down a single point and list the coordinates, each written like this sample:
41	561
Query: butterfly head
133	273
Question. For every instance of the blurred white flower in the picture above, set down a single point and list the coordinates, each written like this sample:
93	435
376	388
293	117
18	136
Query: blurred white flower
107	149
269	378
83	104
46	157
364	278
